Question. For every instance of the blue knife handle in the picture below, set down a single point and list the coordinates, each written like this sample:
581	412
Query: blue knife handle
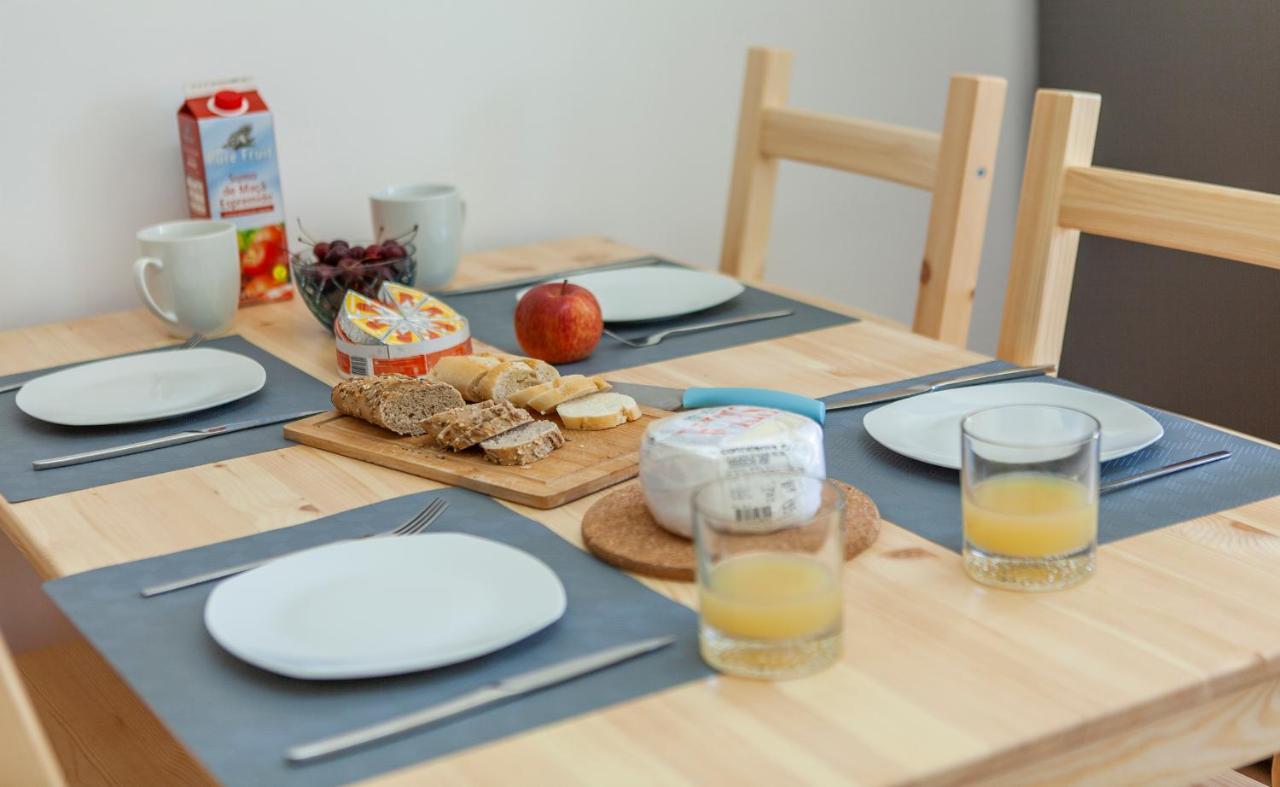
756	397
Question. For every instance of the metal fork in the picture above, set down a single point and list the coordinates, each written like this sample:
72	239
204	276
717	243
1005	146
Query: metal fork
192	341
654	338
420	522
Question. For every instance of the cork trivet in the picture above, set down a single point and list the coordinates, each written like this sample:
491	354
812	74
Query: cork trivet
619	530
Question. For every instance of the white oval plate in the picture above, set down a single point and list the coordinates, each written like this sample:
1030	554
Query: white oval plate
927	427
141	387
654	292
383	606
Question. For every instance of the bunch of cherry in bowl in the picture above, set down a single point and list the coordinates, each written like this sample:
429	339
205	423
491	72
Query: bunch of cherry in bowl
324	273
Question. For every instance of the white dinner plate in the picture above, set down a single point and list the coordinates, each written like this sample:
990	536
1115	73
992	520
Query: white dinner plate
141	387
383	606
654	292
927	427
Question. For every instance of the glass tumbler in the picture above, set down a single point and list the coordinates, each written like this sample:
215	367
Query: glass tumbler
770	549
1029	481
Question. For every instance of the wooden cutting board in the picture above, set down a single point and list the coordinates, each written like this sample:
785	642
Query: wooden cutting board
588	461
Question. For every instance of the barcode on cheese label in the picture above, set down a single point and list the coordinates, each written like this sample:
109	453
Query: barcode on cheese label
360	367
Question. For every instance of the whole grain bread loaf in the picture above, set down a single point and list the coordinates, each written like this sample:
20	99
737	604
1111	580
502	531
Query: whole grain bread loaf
395	402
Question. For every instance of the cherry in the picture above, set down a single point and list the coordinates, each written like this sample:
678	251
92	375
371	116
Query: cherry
392	250
349	265
320	249
373	253
333	256
334	244
357	252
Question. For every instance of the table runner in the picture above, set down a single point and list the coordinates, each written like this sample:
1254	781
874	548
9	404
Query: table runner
24	439
238	720
926	499
492	313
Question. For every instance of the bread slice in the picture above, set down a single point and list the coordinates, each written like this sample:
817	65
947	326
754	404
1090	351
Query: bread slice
395	402
505	379
522	397
523	445
464	417
598	411
565	389
502	417
464	372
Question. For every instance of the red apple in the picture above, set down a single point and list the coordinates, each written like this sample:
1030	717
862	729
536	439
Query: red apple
558	322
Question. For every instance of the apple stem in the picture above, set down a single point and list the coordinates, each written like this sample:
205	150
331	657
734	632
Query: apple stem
564	286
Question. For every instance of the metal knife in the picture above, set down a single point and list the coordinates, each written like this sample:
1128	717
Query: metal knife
167	440
504	689
1161	472
546	277
674	399
941	385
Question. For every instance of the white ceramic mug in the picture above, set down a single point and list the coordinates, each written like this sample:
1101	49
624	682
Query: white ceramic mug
199	262
437	211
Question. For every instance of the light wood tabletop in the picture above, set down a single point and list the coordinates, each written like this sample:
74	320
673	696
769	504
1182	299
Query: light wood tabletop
1165	667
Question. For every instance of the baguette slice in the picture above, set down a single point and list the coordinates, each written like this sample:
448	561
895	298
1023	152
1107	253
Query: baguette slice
502	417
566	389
395	402
598	411
523	445
505	379
464	372
522	397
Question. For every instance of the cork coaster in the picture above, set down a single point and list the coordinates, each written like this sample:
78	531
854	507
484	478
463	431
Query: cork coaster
619	530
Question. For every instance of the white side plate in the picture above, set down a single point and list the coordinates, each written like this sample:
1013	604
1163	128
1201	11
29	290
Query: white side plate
928	427
654	292
384	606
141	387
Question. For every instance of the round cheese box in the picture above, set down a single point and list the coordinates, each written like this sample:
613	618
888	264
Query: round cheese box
682	452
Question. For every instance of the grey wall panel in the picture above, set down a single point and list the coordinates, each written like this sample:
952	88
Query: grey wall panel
1190	89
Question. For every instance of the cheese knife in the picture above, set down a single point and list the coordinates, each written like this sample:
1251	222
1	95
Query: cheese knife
178	438
673	399
506	688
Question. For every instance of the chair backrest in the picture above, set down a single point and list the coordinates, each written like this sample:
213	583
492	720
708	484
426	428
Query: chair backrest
28	760
957	166
1064	195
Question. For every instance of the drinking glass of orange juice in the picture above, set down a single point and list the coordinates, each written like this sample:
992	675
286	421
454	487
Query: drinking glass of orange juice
770	551
1029	485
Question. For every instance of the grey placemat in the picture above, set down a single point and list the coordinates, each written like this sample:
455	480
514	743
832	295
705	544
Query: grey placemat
492	317
238	720
24	439
926	499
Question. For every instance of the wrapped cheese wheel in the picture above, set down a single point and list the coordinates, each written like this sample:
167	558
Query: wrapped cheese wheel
404	331
685	451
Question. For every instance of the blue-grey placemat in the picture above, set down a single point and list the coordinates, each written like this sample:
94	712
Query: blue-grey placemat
239	720
492	315
926	499
24	439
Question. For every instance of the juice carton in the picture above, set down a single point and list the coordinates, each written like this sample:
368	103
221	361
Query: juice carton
229	158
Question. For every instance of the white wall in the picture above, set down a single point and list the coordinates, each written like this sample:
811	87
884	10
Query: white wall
556	118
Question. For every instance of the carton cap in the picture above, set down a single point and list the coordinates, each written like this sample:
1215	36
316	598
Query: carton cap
227	100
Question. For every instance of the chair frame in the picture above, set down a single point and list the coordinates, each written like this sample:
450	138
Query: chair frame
1063	194
956	165
28	757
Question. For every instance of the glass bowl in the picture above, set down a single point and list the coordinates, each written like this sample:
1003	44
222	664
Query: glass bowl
323	287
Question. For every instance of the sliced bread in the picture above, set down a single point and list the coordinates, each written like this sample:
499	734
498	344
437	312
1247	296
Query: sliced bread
598	411
462	418
505	379
524	444
502	417
464	372
395	402
565	389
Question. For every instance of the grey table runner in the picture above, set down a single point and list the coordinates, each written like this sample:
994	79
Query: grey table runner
238	720
926	499
492	320
24	439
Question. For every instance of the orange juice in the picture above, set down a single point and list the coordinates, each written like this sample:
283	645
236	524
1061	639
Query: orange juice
1030	515
771	596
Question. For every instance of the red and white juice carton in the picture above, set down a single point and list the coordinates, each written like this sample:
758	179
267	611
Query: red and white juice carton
229	158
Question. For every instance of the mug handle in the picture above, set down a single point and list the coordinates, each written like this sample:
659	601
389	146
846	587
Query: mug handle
140	280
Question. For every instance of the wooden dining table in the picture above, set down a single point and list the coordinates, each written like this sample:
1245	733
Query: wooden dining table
1165	667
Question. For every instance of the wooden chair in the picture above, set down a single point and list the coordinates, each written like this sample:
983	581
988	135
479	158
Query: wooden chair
957	166
28	759
1064	195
